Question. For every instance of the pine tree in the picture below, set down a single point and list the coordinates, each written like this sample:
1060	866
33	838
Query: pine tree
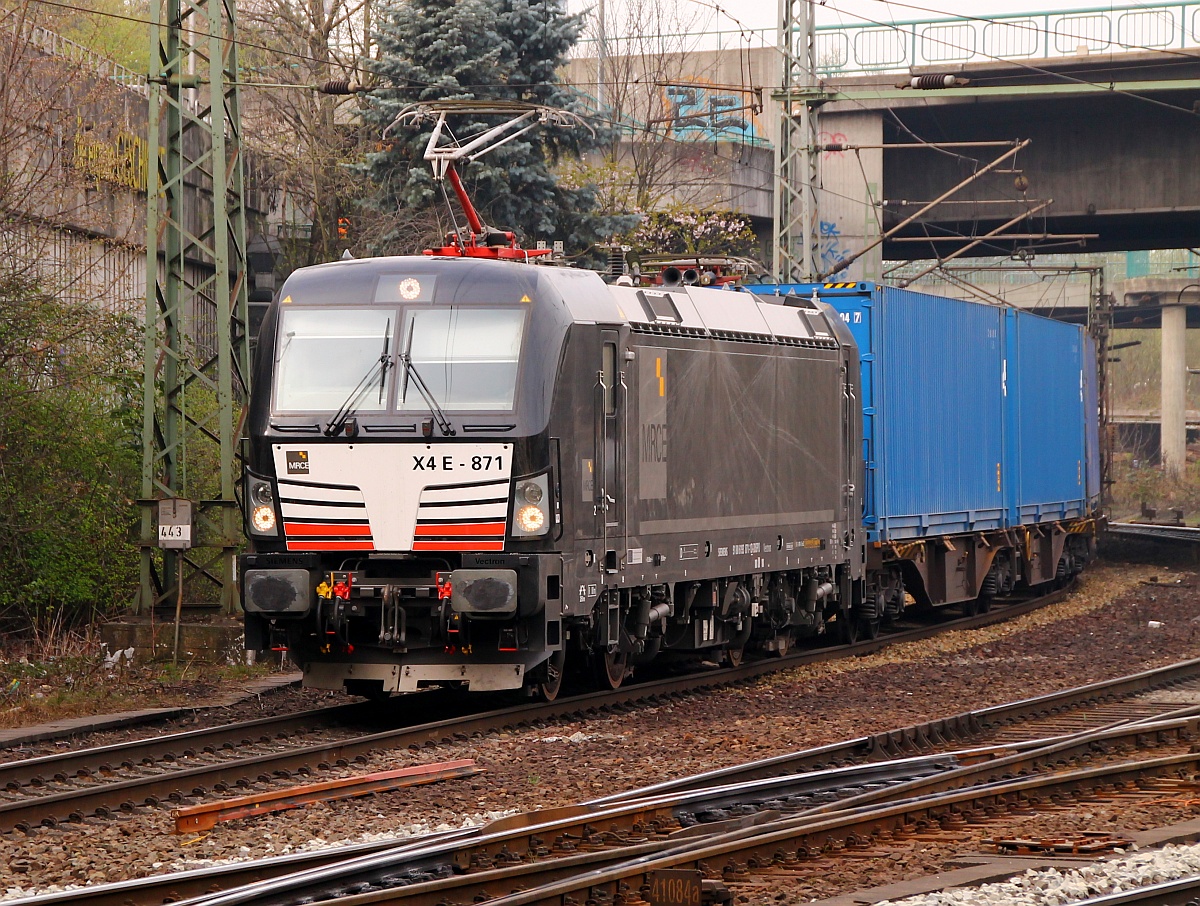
484	50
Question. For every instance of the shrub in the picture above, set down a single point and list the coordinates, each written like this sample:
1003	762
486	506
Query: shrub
69	459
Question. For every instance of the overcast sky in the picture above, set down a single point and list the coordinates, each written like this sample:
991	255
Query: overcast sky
763	14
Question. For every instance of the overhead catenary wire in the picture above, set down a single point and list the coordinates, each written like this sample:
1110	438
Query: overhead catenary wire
830	4
716	7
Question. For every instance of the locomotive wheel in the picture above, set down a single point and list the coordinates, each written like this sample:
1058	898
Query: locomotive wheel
734	656
611	667
845	629
553	670
868	630
783	643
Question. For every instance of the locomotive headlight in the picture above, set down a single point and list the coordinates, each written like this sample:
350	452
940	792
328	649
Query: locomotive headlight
531	507
531	520
263	519
261	495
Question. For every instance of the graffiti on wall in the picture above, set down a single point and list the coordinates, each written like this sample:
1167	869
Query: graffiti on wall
705	114
825	139
121	159
833	249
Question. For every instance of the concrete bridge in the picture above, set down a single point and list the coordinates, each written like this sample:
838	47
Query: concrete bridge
1016	135
1109	163
1107	100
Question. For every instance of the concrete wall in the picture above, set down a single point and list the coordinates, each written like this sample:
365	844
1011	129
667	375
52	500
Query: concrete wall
851	186
75	154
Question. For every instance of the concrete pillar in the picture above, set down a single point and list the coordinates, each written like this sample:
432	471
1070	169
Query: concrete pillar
1174	385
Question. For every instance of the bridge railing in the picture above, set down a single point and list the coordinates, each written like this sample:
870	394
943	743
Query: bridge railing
882	47
879	46
56	45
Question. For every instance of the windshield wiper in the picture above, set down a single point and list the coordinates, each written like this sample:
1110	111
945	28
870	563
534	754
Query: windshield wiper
347	409
410	371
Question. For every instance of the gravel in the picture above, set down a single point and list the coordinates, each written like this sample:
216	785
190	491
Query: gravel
1052	887
1101	631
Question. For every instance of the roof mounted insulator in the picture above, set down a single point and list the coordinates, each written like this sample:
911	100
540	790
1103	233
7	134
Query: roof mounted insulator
340	86
935	82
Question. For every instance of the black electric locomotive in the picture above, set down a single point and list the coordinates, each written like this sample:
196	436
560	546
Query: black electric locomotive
480	472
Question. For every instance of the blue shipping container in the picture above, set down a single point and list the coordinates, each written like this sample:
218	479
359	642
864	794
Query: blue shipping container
975	417
1047	431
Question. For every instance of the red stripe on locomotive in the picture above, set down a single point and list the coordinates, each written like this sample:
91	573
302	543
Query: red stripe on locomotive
325	530
460	528
458	545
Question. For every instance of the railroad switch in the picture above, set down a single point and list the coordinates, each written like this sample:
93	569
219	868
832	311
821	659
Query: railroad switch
1087	843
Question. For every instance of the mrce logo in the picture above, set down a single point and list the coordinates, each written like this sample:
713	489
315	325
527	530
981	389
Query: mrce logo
297	462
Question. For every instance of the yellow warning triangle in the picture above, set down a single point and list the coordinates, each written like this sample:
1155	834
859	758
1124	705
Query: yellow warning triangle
526	299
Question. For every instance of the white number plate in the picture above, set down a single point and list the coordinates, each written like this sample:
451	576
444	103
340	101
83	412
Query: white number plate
472	464
174	536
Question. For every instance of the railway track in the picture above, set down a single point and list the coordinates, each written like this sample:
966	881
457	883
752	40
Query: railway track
799	802
619	852
1184	892
547	853
182	768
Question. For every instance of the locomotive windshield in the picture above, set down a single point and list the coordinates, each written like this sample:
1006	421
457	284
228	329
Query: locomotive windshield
324	354
467	359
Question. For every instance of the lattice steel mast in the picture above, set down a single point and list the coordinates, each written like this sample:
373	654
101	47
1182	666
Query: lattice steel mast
796	158
196	343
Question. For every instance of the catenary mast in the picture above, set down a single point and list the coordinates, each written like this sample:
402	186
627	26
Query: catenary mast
196	343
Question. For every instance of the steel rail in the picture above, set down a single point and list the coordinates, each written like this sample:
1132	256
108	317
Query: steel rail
751	803
1181	892
1037	756
177	786
938	732
1155	532
761	838
794	839
23	772
737	787
459	848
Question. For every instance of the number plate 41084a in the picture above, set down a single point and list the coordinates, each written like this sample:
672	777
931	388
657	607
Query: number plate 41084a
674	887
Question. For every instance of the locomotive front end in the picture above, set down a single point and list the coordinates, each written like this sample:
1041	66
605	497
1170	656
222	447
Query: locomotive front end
401	497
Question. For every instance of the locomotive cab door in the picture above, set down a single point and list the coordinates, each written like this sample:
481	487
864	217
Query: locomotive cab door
611	405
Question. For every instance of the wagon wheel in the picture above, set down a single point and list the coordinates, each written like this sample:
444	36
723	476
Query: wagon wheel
970	608
552	672
611	667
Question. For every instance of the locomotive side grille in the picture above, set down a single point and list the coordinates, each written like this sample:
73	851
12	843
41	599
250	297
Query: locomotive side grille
462	517
672	330
324	517
668	330
808	343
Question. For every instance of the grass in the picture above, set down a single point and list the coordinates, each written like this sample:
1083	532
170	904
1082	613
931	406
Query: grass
72	675
1138	484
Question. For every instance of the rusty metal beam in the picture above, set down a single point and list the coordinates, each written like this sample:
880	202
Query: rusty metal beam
879	240
206	816
996	233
